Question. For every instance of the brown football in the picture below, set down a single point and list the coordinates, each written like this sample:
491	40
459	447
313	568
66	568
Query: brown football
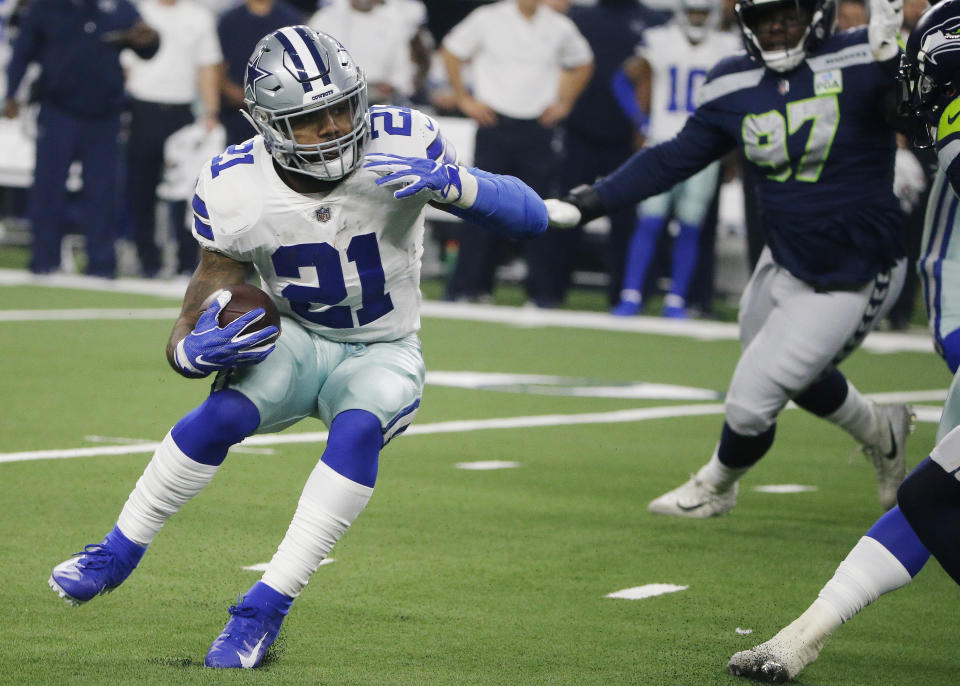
244	298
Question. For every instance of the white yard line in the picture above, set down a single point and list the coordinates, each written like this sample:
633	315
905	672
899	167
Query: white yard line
457	426
877	342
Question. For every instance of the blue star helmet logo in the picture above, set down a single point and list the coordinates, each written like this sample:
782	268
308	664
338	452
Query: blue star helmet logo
254	72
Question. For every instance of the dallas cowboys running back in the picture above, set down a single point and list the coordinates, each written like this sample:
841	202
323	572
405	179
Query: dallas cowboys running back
807	106
899	544
668	70
325	203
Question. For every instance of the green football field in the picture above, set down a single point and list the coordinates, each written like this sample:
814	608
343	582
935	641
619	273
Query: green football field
452	575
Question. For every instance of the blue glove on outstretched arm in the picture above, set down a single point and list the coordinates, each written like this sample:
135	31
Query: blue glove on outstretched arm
493	201
445	183
210	347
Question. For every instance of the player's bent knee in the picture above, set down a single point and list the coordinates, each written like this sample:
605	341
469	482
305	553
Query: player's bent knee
930	501
747	422
225	418
353	446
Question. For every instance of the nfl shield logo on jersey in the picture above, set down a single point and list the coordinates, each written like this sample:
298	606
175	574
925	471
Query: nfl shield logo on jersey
322	214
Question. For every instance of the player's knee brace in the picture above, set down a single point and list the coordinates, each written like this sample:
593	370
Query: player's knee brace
745	421
930	500
353	446
825	395
225	418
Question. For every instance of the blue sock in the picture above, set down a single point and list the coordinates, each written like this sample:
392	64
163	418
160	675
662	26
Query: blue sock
262	595
224	419
894	533
686	248
642	244
353	446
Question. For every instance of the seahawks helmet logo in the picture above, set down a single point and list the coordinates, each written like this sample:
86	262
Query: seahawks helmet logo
939	41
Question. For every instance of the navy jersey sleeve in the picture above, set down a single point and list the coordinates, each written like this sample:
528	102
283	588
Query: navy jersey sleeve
654	170
25	48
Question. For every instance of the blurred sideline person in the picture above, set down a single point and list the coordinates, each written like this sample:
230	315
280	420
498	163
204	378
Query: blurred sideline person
898	545
851	14
162	92
326	204
667	73
529	66
387	37
80	91
239	30
806	105
599	135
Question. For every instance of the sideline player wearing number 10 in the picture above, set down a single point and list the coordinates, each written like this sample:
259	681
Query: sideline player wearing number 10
326	203
807	106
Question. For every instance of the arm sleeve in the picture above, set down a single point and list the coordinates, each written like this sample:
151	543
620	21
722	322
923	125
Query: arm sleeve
504	205
654	170
626	96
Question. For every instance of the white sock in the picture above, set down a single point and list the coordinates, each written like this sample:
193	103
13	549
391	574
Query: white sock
858	416
168	482
719	476
869	571
328	506
629	295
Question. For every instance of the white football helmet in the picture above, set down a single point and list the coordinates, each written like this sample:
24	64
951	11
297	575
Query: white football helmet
299	72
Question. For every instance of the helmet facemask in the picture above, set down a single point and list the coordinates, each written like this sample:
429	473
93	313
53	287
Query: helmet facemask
706	18
816	17
328	160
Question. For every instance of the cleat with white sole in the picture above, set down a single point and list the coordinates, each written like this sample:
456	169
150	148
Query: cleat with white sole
695	499
890	463
97	569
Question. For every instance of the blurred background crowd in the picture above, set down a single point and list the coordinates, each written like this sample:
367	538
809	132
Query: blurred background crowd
111	106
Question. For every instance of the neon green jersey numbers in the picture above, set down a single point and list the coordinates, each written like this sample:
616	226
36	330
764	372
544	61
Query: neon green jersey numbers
765	138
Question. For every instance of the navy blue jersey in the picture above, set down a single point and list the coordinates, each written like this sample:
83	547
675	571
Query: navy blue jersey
822	149
80	70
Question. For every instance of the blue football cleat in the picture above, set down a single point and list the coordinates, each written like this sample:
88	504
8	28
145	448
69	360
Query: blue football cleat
97	569
252	628
674	312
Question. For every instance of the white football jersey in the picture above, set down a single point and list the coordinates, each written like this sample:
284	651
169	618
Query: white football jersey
345	264
679	69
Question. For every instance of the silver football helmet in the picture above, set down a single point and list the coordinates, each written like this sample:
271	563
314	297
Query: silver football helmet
294	76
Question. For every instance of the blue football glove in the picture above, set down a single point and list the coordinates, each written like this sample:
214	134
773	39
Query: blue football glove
445	183
210	348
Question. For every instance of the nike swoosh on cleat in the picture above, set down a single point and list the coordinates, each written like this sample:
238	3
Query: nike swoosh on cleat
689	508
893	441
250	660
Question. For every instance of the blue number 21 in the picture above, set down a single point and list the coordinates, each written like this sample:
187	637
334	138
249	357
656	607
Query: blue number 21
332	289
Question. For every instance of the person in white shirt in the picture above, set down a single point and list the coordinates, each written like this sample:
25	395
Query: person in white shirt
388	37
163	93
529	66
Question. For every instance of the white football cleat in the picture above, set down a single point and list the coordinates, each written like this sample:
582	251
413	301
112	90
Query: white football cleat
890	464
695	499
780	659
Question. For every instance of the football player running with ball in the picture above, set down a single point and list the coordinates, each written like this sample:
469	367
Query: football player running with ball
898	545
807	107
326	204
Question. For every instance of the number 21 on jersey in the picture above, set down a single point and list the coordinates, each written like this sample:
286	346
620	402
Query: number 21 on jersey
765	138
